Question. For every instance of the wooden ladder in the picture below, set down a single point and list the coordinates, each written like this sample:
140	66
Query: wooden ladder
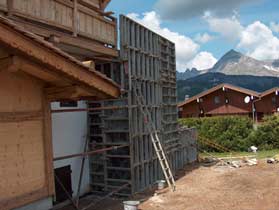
154	136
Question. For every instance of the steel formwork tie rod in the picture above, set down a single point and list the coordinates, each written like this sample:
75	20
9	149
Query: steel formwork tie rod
89	153
88	109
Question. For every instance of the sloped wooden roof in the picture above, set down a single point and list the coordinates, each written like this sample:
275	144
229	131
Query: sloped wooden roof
54	61
218	87
270	91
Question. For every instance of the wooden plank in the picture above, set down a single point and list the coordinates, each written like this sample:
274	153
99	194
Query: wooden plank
20	116
69	93
19	93
23	145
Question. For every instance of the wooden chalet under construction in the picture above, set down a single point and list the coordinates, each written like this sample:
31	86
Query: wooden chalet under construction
58	54
32	74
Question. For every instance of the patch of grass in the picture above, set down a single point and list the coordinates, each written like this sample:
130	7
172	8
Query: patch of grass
259	155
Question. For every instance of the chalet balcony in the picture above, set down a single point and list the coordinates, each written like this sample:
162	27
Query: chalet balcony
79	27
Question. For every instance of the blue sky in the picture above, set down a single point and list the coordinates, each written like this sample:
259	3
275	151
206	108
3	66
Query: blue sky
204	30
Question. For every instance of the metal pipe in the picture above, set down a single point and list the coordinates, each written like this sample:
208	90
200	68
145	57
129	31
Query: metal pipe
81	172
66	192
89	153
88	109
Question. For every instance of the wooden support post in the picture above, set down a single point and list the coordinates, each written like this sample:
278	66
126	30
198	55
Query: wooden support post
48	145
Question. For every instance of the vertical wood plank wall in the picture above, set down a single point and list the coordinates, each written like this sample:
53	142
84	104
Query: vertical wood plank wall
60	13
23	166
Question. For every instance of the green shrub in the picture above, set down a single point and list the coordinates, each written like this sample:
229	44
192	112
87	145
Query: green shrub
266	136
236	132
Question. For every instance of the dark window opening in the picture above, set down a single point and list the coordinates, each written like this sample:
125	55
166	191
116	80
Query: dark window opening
63	177
273	100
227	101
69	104
217	100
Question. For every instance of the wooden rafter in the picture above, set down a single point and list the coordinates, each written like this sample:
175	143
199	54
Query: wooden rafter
69	93
104	4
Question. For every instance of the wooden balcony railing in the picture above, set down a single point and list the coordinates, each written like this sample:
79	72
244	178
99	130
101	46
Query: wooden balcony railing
74	16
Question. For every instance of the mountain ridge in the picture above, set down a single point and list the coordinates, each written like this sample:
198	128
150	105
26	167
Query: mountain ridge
236	63
200	83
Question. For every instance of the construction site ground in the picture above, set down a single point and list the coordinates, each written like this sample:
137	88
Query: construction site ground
214	188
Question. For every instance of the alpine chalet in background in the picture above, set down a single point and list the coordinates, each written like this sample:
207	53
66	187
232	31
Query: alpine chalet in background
226	99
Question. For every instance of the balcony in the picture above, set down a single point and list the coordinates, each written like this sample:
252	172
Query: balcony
80	27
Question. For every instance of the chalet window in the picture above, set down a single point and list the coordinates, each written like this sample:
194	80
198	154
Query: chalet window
273	100
227	101
217	100
69	104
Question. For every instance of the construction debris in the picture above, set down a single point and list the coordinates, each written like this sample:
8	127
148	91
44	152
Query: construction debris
253	149
241	162
271	160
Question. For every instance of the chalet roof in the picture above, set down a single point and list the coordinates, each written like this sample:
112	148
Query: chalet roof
218	87
33	47
270	91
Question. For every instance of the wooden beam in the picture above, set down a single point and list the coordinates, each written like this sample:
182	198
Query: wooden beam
104	3
90	64
16	63
69	93
11	63
3	53
40	72
80	42
47	131
20	116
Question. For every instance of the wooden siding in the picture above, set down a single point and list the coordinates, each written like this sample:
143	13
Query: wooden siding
22	145
60	14
235	105
268	104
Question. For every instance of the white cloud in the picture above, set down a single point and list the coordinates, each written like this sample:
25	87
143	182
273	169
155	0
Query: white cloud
255	40
186	48
259	42
229	28
274	27
202	61
203	38
183	9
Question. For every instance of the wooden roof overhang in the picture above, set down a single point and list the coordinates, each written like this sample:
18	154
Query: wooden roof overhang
274	90
66	77
218	87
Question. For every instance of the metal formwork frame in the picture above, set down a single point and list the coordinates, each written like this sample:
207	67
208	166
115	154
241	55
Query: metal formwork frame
149	60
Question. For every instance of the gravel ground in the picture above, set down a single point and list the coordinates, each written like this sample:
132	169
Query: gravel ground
213	188
222	188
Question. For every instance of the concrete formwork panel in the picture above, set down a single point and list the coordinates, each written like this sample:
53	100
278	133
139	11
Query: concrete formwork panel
148	60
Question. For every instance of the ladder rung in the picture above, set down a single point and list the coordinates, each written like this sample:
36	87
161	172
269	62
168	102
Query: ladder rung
155	139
